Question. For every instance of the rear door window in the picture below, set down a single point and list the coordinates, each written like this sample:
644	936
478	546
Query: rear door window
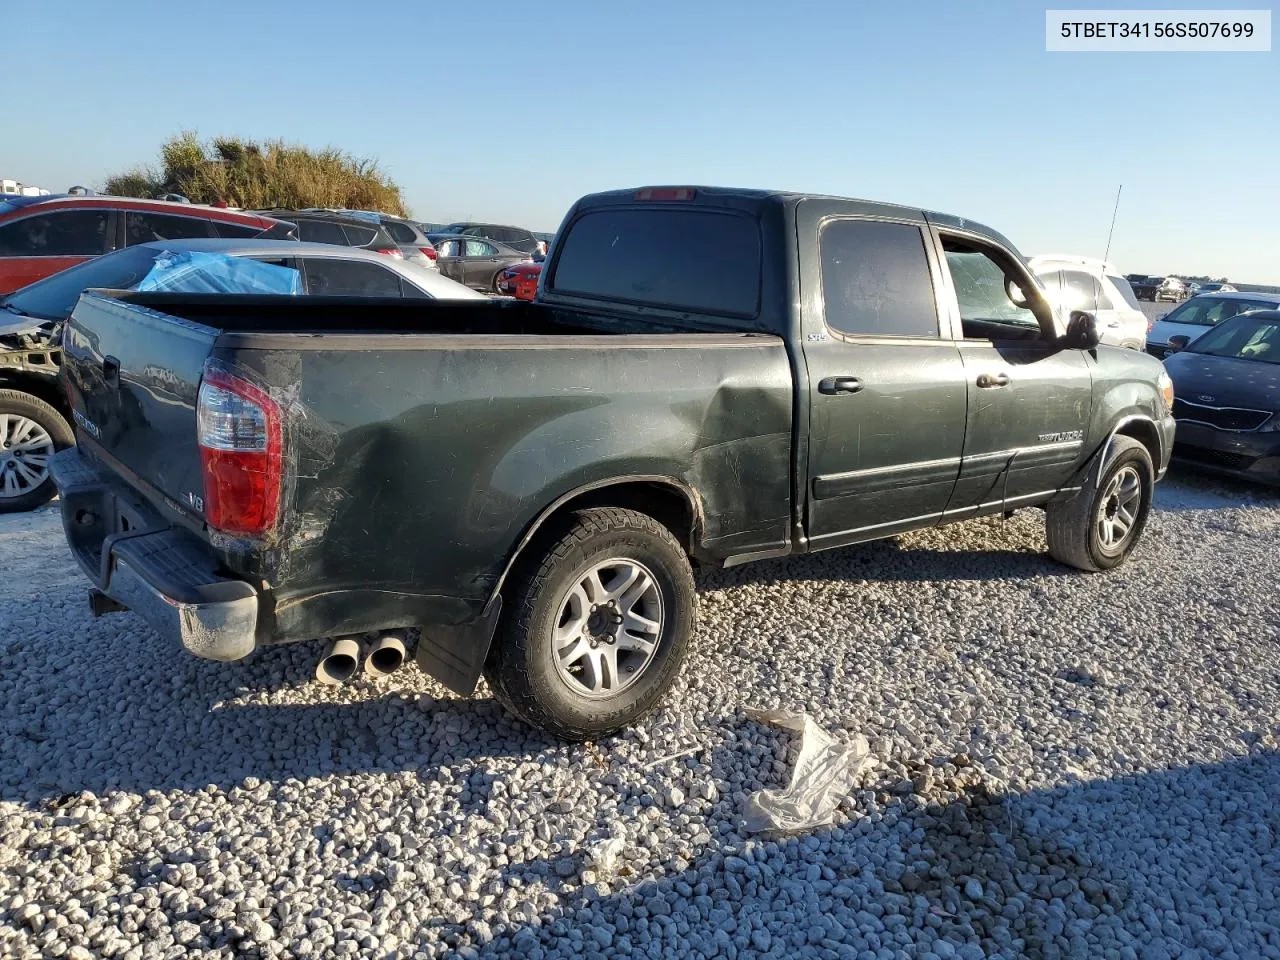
146	227
875	279
478	248
1126	292
333	277
1081	291
400	232
63	233
683	259
359	236
321	231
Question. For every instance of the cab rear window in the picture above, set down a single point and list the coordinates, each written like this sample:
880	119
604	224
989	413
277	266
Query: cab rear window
705	261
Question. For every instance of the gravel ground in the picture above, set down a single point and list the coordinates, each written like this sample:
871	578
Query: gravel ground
1069	765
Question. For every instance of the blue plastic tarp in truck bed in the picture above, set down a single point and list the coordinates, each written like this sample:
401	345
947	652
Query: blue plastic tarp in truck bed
195	272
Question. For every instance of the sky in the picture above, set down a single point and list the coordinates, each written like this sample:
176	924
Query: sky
508	112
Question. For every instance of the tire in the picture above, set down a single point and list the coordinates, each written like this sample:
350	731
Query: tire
580	689
497	278
1074	528
31	431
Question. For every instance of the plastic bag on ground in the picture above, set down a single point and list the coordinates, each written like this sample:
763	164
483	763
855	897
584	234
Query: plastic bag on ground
825	771
197	272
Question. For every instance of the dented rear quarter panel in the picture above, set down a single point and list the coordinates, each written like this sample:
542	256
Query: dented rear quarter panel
418	462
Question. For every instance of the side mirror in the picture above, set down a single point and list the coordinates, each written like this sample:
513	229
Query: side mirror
1015	294
1082	331
1177	344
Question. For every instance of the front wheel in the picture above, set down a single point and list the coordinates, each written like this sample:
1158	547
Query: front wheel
600	620
30	432
1099	527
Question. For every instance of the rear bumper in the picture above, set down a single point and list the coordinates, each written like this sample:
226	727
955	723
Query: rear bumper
164	574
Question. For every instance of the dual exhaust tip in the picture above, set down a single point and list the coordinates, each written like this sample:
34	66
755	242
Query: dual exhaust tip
386	655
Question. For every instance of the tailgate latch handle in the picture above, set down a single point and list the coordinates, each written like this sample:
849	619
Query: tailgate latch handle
111	371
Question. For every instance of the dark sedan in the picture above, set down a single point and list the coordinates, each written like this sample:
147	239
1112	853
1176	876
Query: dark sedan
477	262
1227	397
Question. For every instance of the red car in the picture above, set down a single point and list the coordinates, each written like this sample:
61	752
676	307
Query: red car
41	235
520	280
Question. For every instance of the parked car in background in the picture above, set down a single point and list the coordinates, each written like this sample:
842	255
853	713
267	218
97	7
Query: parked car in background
409	235
477	262
1143	286
1227	397
520	280
1214	288
1202	313
1085	283
416	247
1171	288
41	235
341	229
517	238
33	410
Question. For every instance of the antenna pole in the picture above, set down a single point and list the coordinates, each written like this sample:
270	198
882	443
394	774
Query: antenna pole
1114	211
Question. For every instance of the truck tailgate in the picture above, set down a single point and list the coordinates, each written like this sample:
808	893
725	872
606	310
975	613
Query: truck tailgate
133	375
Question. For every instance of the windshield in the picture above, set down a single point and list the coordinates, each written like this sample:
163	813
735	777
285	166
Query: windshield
1205	311
54	297
1249	337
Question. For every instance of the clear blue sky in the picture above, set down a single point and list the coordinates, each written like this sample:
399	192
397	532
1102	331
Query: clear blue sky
509	111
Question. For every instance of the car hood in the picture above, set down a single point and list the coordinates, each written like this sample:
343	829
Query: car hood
524	269
11	324
1225	381
1163	330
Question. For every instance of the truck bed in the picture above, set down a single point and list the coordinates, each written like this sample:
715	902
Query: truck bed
424	439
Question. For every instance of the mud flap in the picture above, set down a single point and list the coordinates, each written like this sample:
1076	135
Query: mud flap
455	655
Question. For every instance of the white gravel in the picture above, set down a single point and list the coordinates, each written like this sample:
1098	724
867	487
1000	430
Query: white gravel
1069	766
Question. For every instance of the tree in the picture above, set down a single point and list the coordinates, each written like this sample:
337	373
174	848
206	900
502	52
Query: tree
242	173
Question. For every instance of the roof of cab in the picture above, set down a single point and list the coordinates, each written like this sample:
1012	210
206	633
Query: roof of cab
630	195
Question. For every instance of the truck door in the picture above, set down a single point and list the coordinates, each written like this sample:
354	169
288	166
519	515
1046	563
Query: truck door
886	389
1029	398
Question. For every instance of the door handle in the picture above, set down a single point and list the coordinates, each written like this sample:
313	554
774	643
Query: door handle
111	371
833	385
993	380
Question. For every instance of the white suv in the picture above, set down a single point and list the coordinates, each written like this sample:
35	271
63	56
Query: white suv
1084	283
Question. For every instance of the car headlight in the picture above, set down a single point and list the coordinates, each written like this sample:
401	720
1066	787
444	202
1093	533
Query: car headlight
1165	383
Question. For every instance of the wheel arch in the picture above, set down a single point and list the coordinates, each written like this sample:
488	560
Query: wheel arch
671	502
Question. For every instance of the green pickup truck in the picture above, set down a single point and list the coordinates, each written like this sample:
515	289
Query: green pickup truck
707	377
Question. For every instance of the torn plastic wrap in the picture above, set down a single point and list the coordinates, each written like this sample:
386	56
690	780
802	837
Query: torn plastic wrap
825	771
195	272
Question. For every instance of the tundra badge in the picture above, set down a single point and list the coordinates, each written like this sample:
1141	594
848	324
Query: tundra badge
88	424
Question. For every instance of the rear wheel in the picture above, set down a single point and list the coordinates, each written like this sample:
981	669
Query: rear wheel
599	625
30	432
1099	527
497	279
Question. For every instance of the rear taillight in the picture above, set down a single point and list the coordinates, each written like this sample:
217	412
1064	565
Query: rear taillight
429	251
238	426
391	252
